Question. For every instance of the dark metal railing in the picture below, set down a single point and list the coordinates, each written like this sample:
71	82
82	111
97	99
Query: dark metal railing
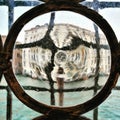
39	89
96	5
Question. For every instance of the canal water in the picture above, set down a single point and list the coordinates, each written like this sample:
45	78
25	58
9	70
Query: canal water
109	110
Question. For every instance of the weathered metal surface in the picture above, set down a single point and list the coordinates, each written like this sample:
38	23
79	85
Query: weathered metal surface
10	13
50	111
1	48
100	5
9	104
73	110
97	40
77	1
20	3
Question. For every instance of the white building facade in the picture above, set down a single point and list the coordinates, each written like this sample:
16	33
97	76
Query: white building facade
80	60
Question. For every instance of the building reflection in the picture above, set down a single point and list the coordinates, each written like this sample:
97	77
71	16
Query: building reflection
60	84
71	63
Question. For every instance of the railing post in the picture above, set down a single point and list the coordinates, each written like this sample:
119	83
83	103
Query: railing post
97	39
9	94
9	104
10	13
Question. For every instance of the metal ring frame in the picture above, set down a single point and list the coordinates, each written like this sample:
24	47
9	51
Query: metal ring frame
58	6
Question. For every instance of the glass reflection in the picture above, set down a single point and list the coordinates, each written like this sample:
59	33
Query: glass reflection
68	62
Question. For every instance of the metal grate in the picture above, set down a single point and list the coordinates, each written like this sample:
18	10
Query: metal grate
96	5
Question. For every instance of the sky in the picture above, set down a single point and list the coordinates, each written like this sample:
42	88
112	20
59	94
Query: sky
112	15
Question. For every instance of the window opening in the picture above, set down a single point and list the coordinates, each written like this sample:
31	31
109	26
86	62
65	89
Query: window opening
83	52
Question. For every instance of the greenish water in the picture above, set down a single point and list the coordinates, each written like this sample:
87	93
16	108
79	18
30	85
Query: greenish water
109	110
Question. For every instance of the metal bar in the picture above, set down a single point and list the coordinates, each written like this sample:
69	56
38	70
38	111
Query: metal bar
21	3
2	2
38	89
27	3
9	97
102	5
1	48
10	4
3	87
10	13
9	104
97	39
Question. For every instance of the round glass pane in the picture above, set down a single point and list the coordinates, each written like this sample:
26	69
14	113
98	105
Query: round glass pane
60	60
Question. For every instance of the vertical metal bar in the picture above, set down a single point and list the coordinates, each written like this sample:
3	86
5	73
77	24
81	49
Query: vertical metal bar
10	22
50	27
51	23
9	104
97	39
1	48
10	13
60	83
49	68
95	112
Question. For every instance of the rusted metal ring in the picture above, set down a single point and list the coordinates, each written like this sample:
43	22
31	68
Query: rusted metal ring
77	8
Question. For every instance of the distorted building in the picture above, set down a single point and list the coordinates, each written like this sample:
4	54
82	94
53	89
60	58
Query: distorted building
82	59
17	60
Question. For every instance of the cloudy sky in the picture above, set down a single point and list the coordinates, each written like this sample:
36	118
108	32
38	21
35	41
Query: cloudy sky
112	15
